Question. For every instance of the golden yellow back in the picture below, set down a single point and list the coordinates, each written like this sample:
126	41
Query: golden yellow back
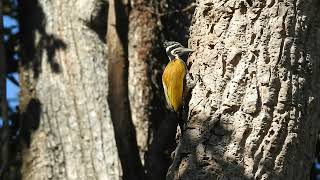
173	83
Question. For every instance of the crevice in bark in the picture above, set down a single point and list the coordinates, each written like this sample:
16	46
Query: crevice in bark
117	40
99	19
30	120
269	109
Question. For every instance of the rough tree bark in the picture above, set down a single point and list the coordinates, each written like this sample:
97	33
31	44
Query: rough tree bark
254	112
142	38
64	86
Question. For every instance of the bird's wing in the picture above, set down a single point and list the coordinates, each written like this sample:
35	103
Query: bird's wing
173	83
166	95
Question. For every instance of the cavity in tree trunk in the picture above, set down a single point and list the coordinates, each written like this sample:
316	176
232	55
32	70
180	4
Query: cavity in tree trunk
64	86
254	112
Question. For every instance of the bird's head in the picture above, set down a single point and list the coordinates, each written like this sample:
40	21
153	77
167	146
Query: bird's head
175	49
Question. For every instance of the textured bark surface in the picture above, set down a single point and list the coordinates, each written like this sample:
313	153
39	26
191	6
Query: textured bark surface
118	99
254	112
64	86
142	39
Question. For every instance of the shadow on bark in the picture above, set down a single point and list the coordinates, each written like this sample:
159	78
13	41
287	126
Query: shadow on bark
18	136
32	23
193	146
189	154
30	120
158	158
99	19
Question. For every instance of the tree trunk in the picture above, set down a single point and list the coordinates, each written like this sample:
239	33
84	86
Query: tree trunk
64	86
4	130
146	61
254	112
142	38
125	134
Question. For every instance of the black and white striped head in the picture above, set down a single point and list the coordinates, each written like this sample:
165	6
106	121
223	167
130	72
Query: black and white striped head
175	49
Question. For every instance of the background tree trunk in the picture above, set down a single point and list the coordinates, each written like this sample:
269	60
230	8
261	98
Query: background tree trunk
118	98
4	131
142	38
254	112
64	86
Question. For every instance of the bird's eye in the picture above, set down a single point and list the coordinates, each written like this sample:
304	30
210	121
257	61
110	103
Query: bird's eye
174	52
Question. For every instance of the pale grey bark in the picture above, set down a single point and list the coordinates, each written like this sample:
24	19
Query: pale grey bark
64	87
254	112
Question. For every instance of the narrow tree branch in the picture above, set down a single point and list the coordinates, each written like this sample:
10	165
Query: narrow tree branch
5	128
13	80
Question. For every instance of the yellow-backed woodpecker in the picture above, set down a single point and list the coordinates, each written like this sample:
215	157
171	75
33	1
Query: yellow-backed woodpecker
174	75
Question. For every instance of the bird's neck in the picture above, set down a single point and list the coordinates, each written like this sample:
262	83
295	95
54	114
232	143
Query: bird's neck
173	58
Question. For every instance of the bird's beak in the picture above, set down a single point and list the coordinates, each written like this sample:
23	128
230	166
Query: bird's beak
186	50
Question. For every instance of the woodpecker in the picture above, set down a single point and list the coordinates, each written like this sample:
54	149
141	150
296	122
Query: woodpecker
174	75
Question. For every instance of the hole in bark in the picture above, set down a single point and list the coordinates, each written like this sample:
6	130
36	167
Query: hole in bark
198	42
261	31
249	2
56	67
205	158
211	29
267	60
208	4
236	59
218	129
208	93
203	164
252	38
243	8
211	46
205	12
271	132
